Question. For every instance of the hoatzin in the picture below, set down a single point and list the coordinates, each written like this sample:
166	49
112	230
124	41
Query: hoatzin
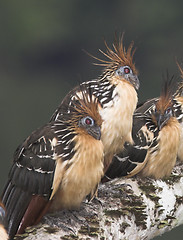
116	91
3	232
178	98
156	134
57	166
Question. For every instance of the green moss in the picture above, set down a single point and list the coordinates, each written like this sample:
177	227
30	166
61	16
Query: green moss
83	230
69	237
107	222
158	205
123	227
90	230
154	197
93	220
170	217
147	188
114	213
179	199
28	230
152	224
172	179
163	224
21	236
160	211
138	211
51	230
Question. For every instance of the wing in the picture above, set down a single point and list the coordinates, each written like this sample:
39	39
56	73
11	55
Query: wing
103	92
146	106
31	175
133	158
124	163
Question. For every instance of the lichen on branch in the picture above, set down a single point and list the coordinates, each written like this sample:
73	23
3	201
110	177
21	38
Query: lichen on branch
130	209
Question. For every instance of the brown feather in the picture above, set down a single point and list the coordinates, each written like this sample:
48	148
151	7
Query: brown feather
180	87
118	56
37	208
84	104
166	96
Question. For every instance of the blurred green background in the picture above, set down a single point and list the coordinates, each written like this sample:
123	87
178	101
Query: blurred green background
41	56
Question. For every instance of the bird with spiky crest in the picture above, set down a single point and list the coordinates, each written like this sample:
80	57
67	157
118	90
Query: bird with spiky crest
57	166
116	92
178	105
156	133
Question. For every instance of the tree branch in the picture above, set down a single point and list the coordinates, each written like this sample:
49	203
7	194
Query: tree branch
143	210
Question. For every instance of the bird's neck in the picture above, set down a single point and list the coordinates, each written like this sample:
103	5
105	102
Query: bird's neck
117	117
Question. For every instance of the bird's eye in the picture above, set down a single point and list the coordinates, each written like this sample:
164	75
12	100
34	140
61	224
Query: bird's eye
123	70
126	70
168	111
87	121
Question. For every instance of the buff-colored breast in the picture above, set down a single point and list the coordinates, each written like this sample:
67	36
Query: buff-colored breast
83	174
117	119
161	162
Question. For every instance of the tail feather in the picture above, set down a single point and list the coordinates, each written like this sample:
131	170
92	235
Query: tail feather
15	201
18	213
37	208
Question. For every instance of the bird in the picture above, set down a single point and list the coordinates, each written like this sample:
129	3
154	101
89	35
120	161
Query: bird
57	166
178	105
3	232
156	134
116	89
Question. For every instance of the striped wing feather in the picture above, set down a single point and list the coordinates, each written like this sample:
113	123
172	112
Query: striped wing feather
31	174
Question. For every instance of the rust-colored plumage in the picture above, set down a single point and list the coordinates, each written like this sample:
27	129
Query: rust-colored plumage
84	103
118	56
166	96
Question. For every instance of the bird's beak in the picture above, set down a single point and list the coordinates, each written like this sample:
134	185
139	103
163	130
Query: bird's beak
135	81
95	132
161	121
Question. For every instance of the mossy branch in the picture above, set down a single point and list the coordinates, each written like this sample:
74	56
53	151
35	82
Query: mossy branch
142	209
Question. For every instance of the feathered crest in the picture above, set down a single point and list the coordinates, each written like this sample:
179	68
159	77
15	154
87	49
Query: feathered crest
118	56
166	96
83	104
179	91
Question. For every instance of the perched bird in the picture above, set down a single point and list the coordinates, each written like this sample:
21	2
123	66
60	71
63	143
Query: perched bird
178	106
57	166
3	232
156	135
116	91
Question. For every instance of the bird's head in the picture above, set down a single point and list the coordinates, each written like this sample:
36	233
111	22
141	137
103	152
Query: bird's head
119	65
163	110
85	117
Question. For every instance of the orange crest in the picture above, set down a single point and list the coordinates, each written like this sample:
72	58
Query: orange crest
179	91
166	96
85	104
118	56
